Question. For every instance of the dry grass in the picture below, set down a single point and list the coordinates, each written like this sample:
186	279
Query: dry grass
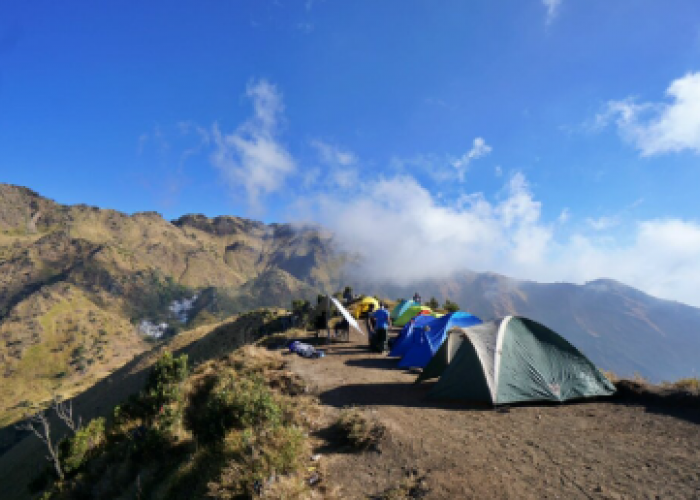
360	430
411	487
691	385
611	376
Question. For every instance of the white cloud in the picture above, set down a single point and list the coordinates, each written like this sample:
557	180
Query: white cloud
340	165
661	259
396	223
564	216
657	128
331	154
552	7
251	156
498	171
603	223
479	149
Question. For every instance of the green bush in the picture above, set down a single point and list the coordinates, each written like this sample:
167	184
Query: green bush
450	306
234	403
433	303
75	451
162	396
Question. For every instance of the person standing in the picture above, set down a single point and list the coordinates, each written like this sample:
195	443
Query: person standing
370	325
381	329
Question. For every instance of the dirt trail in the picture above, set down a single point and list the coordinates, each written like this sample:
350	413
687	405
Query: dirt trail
599	449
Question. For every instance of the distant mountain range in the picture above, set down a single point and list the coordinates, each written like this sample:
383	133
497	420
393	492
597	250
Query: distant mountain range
619	327
77	284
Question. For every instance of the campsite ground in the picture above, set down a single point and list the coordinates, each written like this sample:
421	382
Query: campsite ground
601	449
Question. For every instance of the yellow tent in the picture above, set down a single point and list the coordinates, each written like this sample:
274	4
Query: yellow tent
361	308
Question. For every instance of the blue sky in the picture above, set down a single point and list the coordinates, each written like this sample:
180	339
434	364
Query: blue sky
544	139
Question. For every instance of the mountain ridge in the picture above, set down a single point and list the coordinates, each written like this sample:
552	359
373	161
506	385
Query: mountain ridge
76	281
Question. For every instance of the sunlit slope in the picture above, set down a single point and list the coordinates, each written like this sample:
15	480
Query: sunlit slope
75	281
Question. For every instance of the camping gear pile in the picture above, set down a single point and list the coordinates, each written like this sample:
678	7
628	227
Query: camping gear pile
305	350
508	360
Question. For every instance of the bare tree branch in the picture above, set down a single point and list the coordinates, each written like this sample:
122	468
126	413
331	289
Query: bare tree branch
40	426
65	413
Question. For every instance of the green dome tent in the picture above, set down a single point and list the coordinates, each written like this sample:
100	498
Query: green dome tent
401	307
410	313
513	360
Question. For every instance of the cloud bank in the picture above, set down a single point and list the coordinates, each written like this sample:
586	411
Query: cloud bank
405	234
405	231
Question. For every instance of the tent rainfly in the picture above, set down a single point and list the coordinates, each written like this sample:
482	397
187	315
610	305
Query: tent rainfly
428	339
405	339
401	307
513	360
410	313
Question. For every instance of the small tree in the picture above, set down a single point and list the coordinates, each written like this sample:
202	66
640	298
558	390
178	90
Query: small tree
300	306
74	452
163	392
433	303
450	306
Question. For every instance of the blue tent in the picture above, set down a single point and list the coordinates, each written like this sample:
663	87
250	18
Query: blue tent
401	308
406	338
428	339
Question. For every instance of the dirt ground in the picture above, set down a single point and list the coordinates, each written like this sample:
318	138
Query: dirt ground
611	448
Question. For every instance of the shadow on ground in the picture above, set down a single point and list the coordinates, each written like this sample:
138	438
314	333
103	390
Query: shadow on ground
392	394
410	395
671	402
382	363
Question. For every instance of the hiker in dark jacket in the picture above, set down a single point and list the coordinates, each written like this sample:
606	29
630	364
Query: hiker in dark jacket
381	330
342	329
369	323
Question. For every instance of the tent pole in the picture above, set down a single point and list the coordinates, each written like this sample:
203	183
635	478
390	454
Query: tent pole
328	317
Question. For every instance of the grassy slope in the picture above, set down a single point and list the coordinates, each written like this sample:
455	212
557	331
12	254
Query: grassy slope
19	464
88	275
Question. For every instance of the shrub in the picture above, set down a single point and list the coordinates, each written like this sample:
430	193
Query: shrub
259	459
75	451
450	306
360	431
233	402
411	486
433	303
162	396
